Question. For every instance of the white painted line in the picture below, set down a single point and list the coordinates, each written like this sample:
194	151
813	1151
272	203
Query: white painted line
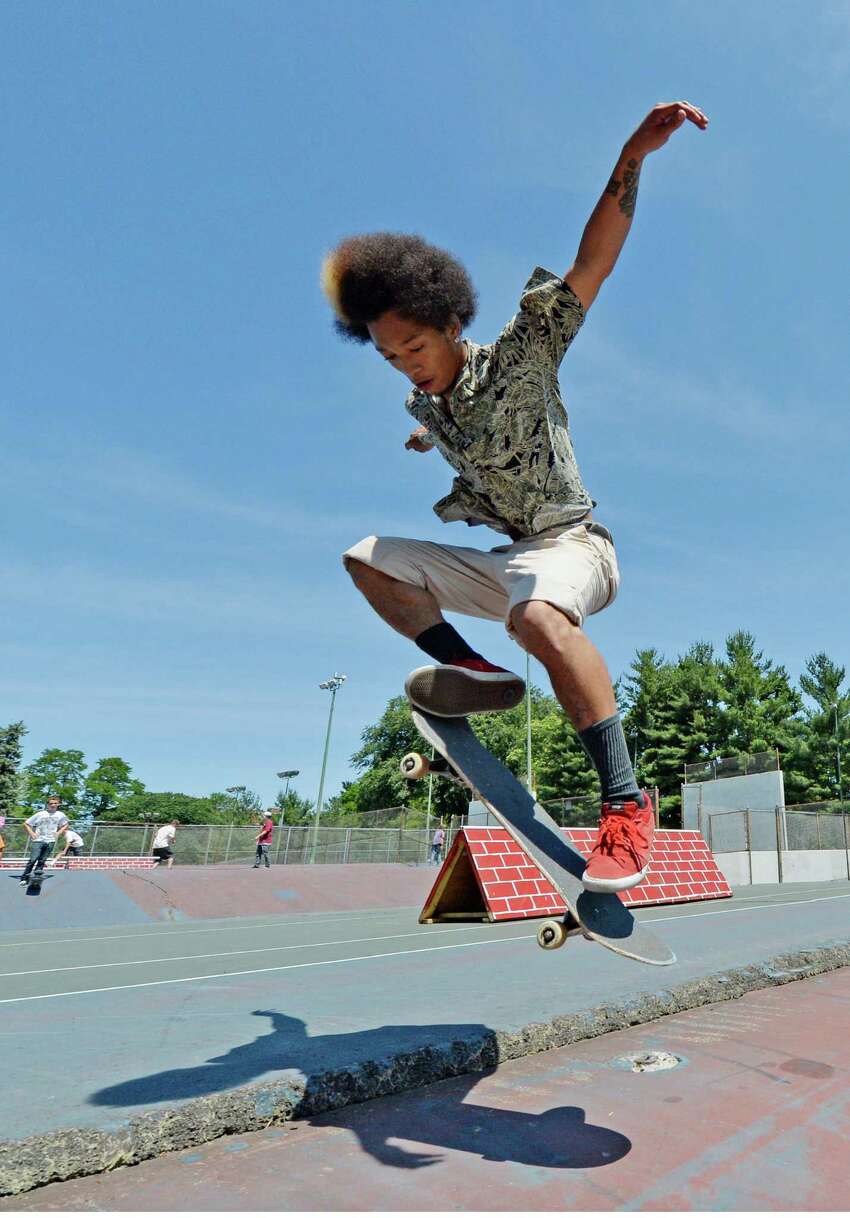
247	951
278	968
280	923
172	928
711	913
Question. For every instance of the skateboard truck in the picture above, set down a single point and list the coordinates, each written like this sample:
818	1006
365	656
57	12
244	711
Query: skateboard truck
554	932
601	917
415	766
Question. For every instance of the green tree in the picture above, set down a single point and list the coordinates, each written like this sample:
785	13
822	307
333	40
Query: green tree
237	807
107	785
819	743
678	720
161	806
642	699
55	772
560	764
759	701
11	751
296	809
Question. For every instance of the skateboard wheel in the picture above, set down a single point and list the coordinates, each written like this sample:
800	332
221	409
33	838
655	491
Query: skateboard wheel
414	766
552	934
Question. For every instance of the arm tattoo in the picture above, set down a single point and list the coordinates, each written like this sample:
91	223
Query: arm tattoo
613	187
630	180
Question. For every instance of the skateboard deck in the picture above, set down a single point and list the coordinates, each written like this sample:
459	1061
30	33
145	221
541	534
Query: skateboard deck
602	916
36	879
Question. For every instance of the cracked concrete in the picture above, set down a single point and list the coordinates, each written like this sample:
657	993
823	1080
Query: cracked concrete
64	1154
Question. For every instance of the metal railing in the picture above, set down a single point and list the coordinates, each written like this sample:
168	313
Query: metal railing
732	767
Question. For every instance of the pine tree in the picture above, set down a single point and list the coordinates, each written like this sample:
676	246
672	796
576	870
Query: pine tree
759	702
11	751
826	732
673	712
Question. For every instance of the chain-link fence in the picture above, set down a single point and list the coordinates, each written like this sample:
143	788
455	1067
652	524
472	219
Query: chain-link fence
729	831
384	835
731	767
816	827
581	811
219	844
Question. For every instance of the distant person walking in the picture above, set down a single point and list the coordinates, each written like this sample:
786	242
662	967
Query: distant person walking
264	840
73	843
163	843
42	829
437	844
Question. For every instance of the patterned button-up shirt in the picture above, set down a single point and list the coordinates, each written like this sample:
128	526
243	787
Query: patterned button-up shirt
503	426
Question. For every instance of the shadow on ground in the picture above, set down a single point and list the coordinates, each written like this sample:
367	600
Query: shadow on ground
438	1116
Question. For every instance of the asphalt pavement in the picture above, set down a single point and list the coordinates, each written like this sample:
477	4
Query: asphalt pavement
739	1106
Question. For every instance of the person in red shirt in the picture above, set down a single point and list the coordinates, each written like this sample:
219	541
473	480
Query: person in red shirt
264	840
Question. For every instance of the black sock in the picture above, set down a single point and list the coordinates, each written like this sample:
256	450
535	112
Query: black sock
443	643
606	743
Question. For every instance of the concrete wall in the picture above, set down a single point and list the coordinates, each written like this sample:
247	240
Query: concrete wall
797	866
764	792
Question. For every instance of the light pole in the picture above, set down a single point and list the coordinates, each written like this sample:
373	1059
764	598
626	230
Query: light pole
236	792
287	774
333	683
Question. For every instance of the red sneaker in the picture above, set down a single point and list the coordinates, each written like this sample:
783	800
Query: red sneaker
466	687
620	858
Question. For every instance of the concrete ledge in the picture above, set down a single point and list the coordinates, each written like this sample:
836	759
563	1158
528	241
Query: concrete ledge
798	866
66	1153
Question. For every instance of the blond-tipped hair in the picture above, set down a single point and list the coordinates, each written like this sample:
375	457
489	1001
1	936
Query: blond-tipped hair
333	270
369	275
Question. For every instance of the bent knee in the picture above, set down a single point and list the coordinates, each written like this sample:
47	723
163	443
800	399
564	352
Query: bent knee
538	623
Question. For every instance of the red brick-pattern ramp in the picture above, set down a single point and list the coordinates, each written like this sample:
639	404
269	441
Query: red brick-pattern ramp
487	875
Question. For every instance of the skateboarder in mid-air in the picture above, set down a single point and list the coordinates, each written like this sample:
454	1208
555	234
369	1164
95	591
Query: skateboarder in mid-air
494	411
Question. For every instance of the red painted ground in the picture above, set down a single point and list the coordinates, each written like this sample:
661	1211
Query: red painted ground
756	1117
240	892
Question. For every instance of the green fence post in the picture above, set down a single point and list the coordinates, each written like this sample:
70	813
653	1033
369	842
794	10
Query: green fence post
750	844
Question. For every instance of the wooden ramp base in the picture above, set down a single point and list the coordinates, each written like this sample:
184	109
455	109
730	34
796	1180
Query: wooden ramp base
487	877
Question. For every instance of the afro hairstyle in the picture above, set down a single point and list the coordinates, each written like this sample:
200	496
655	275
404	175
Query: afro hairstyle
366	276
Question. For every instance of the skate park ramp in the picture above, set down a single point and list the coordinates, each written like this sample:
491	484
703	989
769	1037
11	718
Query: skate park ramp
80	899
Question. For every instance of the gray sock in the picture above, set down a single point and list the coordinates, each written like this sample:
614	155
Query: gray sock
605	741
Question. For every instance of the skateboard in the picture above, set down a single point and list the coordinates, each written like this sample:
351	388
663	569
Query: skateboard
600	916
34	883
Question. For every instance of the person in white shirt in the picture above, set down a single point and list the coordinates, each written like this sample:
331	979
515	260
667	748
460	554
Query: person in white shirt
42	829
73	843
163	842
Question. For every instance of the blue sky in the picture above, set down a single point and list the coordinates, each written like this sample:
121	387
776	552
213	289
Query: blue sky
187	447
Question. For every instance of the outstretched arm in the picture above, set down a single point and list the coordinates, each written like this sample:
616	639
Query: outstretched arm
609	224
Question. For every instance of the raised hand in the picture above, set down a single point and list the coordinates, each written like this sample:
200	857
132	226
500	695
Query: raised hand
417	442
661	122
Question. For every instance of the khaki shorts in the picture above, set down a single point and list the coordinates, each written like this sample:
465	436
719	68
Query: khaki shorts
573	568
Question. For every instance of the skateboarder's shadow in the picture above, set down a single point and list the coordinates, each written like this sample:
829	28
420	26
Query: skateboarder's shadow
557	1138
